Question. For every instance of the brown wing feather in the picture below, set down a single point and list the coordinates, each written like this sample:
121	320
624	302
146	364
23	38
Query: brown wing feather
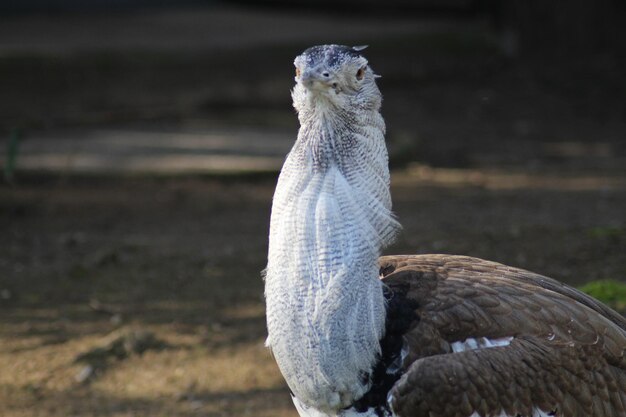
568	354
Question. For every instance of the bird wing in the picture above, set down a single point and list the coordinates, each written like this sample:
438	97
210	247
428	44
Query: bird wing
491	340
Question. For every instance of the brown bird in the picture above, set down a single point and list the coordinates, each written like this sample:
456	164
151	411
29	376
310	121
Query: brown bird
416	335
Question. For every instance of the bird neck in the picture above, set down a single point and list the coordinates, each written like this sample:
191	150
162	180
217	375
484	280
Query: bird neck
331	217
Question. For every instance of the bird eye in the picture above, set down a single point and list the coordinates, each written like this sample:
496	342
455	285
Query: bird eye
360	73
297	72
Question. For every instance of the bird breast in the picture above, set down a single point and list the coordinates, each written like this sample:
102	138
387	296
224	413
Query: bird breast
325	304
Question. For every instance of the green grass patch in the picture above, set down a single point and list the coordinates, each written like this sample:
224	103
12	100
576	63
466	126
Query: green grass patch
607	232
610	292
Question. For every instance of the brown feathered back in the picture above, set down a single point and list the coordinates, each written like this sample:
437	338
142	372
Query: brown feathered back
566	356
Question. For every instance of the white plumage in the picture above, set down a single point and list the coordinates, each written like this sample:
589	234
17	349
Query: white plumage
330	218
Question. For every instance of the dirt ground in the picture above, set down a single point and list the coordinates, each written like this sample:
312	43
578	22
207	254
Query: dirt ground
127	295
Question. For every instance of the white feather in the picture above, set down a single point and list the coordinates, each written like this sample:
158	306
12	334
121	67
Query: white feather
480	343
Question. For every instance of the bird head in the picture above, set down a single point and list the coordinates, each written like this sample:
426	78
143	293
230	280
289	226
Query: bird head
334	76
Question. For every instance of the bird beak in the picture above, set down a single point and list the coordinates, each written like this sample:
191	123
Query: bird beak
316	79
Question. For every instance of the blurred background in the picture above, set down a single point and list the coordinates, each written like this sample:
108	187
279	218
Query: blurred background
140	143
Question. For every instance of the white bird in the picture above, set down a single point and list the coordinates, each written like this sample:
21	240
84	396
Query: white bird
417	335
